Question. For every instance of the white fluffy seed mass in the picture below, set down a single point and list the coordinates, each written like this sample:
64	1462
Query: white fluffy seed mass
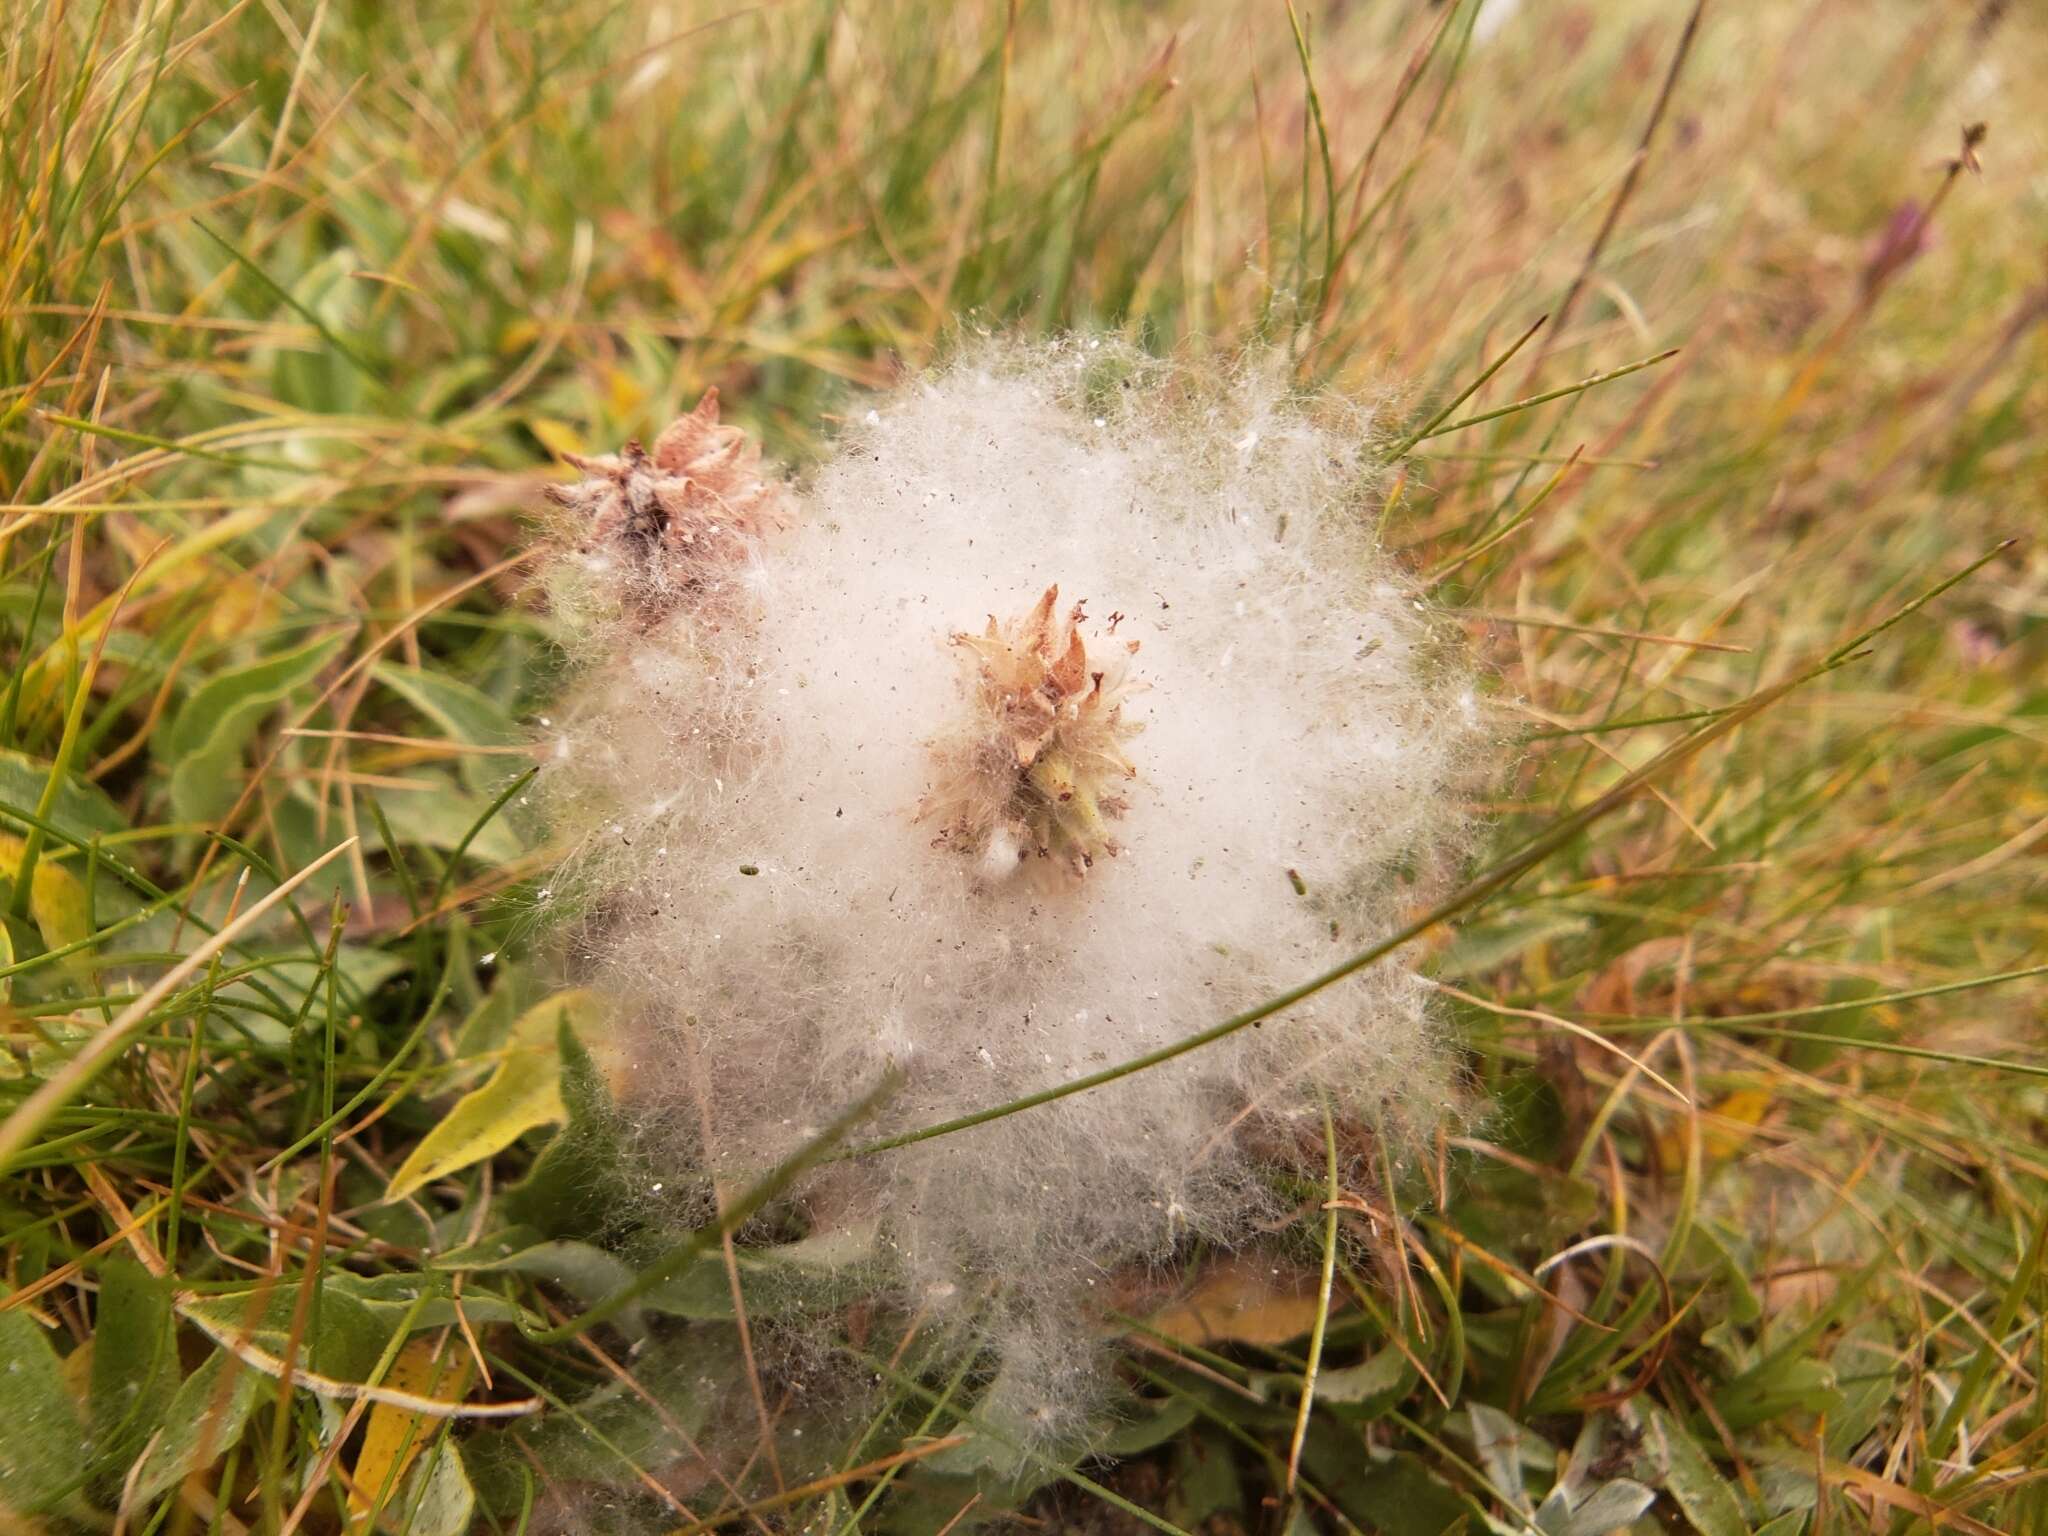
816	842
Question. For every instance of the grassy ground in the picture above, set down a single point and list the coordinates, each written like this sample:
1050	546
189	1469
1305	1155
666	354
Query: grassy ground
297	299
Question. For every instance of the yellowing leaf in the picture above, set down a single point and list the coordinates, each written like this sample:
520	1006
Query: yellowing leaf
1724	1127
558	437
1243	1302
525	1091
56	900
238	607
395	1435
55	1039
622	391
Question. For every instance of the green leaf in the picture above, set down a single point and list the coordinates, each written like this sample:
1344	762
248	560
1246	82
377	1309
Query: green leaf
205	1419
824	1271
1866	1370
1744	1309
1701	1493
926	1504
41	1444
1205	1480
134	1367
1395	1494
354	1322
1497	1444
1484	947
440	816
620	1430
523	1093
1871	948
437	1499
584	1270
1505	1210
578	1175
81	807
360	969
1372	1386
1781	1385
204	743
1159	1423
997	1435
1609	1507
327	380
462	713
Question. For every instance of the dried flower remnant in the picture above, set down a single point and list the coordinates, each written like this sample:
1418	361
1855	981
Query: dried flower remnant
1039	769
684	516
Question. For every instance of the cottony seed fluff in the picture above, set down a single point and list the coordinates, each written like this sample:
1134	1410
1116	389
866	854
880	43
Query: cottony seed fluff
1070	709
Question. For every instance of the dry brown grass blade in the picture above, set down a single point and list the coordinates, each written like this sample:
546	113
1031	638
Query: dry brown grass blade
1627	190
828	1484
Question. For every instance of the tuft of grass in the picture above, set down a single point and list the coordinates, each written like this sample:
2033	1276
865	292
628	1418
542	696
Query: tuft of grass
297	302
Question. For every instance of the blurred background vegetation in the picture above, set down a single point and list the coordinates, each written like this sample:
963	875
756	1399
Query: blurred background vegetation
304	1170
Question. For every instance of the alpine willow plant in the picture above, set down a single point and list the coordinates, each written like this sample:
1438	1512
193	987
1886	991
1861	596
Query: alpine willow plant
1070	708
